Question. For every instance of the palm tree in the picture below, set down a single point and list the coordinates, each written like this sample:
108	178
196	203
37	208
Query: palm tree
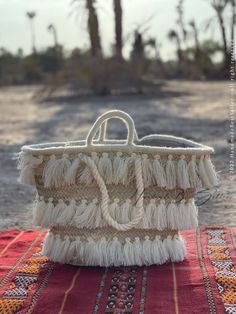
51	28
31	15
180	20
233	21
174	36
219	7
92	25
93	28
195	34
118	27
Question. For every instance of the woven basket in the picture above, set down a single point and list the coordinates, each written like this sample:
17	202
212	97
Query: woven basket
116	202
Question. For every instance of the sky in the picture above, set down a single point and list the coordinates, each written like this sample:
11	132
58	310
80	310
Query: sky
70	22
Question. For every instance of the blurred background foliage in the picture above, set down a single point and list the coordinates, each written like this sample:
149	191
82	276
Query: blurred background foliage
91	71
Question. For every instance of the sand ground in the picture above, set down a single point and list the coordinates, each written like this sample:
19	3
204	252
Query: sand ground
196	110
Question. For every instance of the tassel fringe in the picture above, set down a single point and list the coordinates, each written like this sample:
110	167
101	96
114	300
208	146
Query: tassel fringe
119	169
112	252
158	214
27	163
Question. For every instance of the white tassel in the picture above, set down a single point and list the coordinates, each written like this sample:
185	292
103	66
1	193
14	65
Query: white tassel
128	253
159	217
147	251
115	252
63	255
193	173
56	248
79	211
95	157
124	212
137	247
170	173
98	219
143	224
79	248
147	171
101	247
182	221
182	173
114	208
86	176
39	211
55	171
149	213
47	244
90	256
159	252
191	215
72	251
172	215
57	212
175	248
23	159
170	247
178	249
128	170
67	214
70	176
27	164
210	170
87	218
48	214
105	168
159	172
202	173
118	168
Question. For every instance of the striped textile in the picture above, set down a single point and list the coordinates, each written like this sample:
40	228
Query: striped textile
204	283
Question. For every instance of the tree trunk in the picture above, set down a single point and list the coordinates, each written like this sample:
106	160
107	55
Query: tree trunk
93	29
223	33
32	36
233	22
195	31
179	49
118	27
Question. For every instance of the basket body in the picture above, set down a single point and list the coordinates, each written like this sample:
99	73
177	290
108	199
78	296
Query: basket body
114	202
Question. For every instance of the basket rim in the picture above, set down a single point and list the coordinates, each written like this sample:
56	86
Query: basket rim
73	147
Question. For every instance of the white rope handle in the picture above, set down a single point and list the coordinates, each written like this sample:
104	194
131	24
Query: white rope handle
106	116
103	132
105	196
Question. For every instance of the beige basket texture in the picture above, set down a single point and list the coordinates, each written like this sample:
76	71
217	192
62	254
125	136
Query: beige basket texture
116	202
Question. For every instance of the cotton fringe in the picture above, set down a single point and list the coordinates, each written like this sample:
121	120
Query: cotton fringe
112	252
119	169
27	163
158	214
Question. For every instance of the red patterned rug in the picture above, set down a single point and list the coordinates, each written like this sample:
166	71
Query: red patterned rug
204	283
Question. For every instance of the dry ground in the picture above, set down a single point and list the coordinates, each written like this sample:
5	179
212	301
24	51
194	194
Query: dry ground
196	110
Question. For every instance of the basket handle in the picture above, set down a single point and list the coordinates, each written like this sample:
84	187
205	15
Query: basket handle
103	131
101	122
105	196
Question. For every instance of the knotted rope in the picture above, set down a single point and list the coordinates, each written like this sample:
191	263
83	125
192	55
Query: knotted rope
105	196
